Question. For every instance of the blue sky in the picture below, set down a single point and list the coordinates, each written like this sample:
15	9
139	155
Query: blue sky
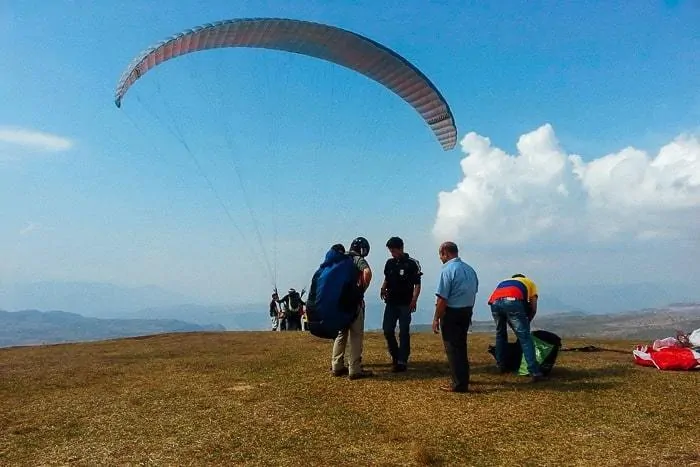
326	154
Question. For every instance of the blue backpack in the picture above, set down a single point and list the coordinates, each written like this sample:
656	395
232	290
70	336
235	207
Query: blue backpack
334	296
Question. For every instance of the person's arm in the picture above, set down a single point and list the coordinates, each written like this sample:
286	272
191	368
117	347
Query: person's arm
382	291
442	293
440	309
416	287
365	278
533	307
532	299
414	299
385	284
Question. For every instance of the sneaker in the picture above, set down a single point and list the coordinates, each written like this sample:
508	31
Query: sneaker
398	367
538	378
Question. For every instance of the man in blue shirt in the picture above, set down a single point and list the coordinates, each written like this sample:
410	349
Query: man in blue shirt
456	293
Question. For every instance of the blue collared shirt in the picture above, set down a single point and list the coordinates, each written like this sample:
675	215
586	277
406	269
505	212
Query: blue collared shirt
458	284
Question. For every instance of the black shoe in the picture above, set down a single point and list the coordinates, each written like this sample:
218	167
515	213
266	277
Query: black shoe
361	374
341	372
451	389
398	368
538	378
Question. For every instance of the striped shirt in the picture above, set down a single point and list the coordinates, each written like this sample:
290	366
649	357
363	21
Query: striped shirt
519	288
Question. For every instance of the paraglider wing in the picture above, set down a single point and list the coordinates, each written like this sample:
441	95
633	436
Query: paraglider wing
325	42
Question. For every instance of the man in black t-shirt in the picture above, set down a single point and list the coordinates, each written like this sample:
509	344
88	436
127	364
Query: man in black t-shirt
400	291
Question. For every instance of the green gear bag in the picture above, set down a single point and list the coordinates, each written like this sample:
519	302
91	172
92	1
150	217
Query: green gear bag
542	351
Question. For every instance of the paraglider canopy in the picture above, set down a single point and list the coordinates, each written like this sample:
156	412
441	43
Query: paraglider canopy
325	42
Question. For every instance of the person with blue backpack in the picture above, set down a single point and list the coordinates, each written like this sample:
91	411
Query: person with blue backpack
359	249
335	306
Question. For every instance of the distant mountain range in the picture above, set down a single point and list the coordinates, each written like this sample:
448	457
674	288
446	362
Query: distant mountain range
615	298
643	325
108	301
30	327
576	309
100	300
233	318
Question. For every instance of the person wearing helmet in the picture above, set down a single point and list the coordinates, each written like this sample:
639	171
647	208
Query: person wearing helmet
359	249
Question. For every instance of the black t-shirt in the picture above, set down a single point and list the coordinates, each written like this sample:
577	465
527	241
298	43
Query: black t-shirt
401	275
273	308
293	301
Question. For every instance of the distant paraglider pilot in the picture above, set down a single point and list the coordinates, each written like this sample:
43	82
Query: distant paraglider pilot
274	312
292	305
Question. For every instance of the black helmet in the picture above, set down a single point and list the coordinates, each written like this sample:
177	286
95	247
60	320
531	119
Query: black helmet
338	247
360	245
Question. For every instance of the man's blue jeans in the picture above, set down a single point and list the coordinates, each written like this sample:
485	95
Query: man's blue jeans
401	313
514	313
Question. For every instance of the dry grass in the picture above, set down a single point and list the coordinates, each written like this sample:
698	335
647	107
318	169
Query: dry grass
268	399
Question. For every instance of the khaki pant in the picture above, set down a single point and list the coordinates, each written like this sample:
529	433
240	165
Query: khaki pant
356	333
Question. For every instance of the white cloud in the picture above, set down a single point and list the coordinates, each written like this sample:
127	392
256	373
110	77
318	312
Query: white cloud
33	139
29	228
631	179
544	193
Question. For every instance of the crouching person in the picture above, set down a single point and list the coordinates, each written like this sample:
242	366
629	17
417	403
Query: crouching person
514	303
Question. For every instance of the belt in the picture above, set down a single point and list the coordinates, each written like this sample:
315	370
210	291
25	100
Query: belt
508	299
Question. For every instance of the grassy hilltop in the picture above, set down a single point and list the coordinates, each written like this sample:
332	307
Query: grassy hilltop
263	398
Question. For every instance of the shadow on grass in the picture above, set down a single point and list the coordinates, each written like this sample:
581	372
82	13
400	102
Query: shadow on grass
561	378
416	371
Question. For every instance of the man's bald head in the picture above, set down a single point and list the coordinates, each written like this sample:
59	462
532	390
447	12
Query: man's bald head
449	248
447	251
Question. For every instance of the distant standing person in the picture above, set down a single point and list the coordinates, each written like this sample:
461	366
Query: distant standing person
274	312
400	291
456	293
359	249
514	303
